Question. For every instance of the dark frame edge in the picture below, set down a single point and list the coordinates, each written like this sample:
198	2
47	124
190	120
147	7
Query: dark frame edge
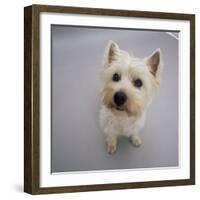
192	98
111	12
117	186
27	99
31	106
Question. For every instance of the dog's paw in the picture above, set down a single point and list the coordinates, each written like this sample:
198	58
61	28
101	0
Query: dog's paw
111	148
136	140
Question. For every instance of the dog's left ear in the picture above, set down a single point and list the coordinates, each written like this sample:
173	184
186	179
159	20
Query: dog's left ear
111	53
153	62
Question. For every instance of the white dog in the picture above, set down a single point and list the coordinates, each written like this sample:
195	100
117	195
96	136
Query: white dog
128	85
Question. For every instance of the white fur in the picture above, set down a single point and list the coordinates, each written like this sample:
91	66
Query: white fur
128	121
117	125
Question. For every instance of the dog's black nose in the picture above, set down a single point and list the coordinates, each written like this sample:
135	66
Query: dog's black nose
120	98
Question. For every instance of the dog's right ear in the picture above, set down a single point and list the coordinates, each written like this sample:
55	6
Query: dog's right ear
111	53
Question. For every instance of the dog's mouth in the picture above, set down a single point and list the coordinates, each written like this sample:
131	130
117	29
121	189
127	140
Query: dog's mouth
119	108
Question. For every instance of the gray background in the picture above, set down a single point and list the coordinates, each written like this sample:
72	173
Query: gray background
77	142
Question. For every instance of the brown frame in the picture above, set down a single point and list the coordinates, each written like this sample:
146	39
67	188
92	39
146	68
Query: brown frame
32	105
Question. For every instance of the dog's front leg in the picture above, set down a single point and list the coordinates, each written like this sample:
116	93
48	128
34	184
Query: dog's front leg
111	143
136	140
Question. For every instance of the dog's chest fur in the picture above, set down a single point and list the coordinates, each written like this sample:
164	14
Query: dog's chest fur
119	124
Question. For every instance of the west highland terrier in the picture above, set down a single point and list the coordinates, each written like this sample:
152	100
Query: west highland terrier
127	87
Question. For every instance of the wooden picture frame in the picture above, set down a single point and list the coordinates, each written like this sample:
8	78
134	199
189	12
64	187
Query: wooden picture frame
32	108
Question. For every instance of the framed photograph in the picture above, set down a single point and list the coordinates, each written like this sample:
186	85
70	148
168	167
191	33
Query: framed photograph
109	99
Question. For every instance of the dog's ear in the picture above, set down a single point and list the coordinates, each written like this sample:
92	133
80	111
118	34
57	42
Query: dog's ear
153	62
111	53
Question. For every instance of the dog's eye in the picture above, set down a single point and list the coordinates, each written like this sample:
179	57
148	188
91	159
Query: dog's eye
116	77
137	83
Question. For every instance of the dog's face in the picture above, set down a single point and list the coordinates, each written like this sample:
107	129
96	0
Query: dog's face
128	83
